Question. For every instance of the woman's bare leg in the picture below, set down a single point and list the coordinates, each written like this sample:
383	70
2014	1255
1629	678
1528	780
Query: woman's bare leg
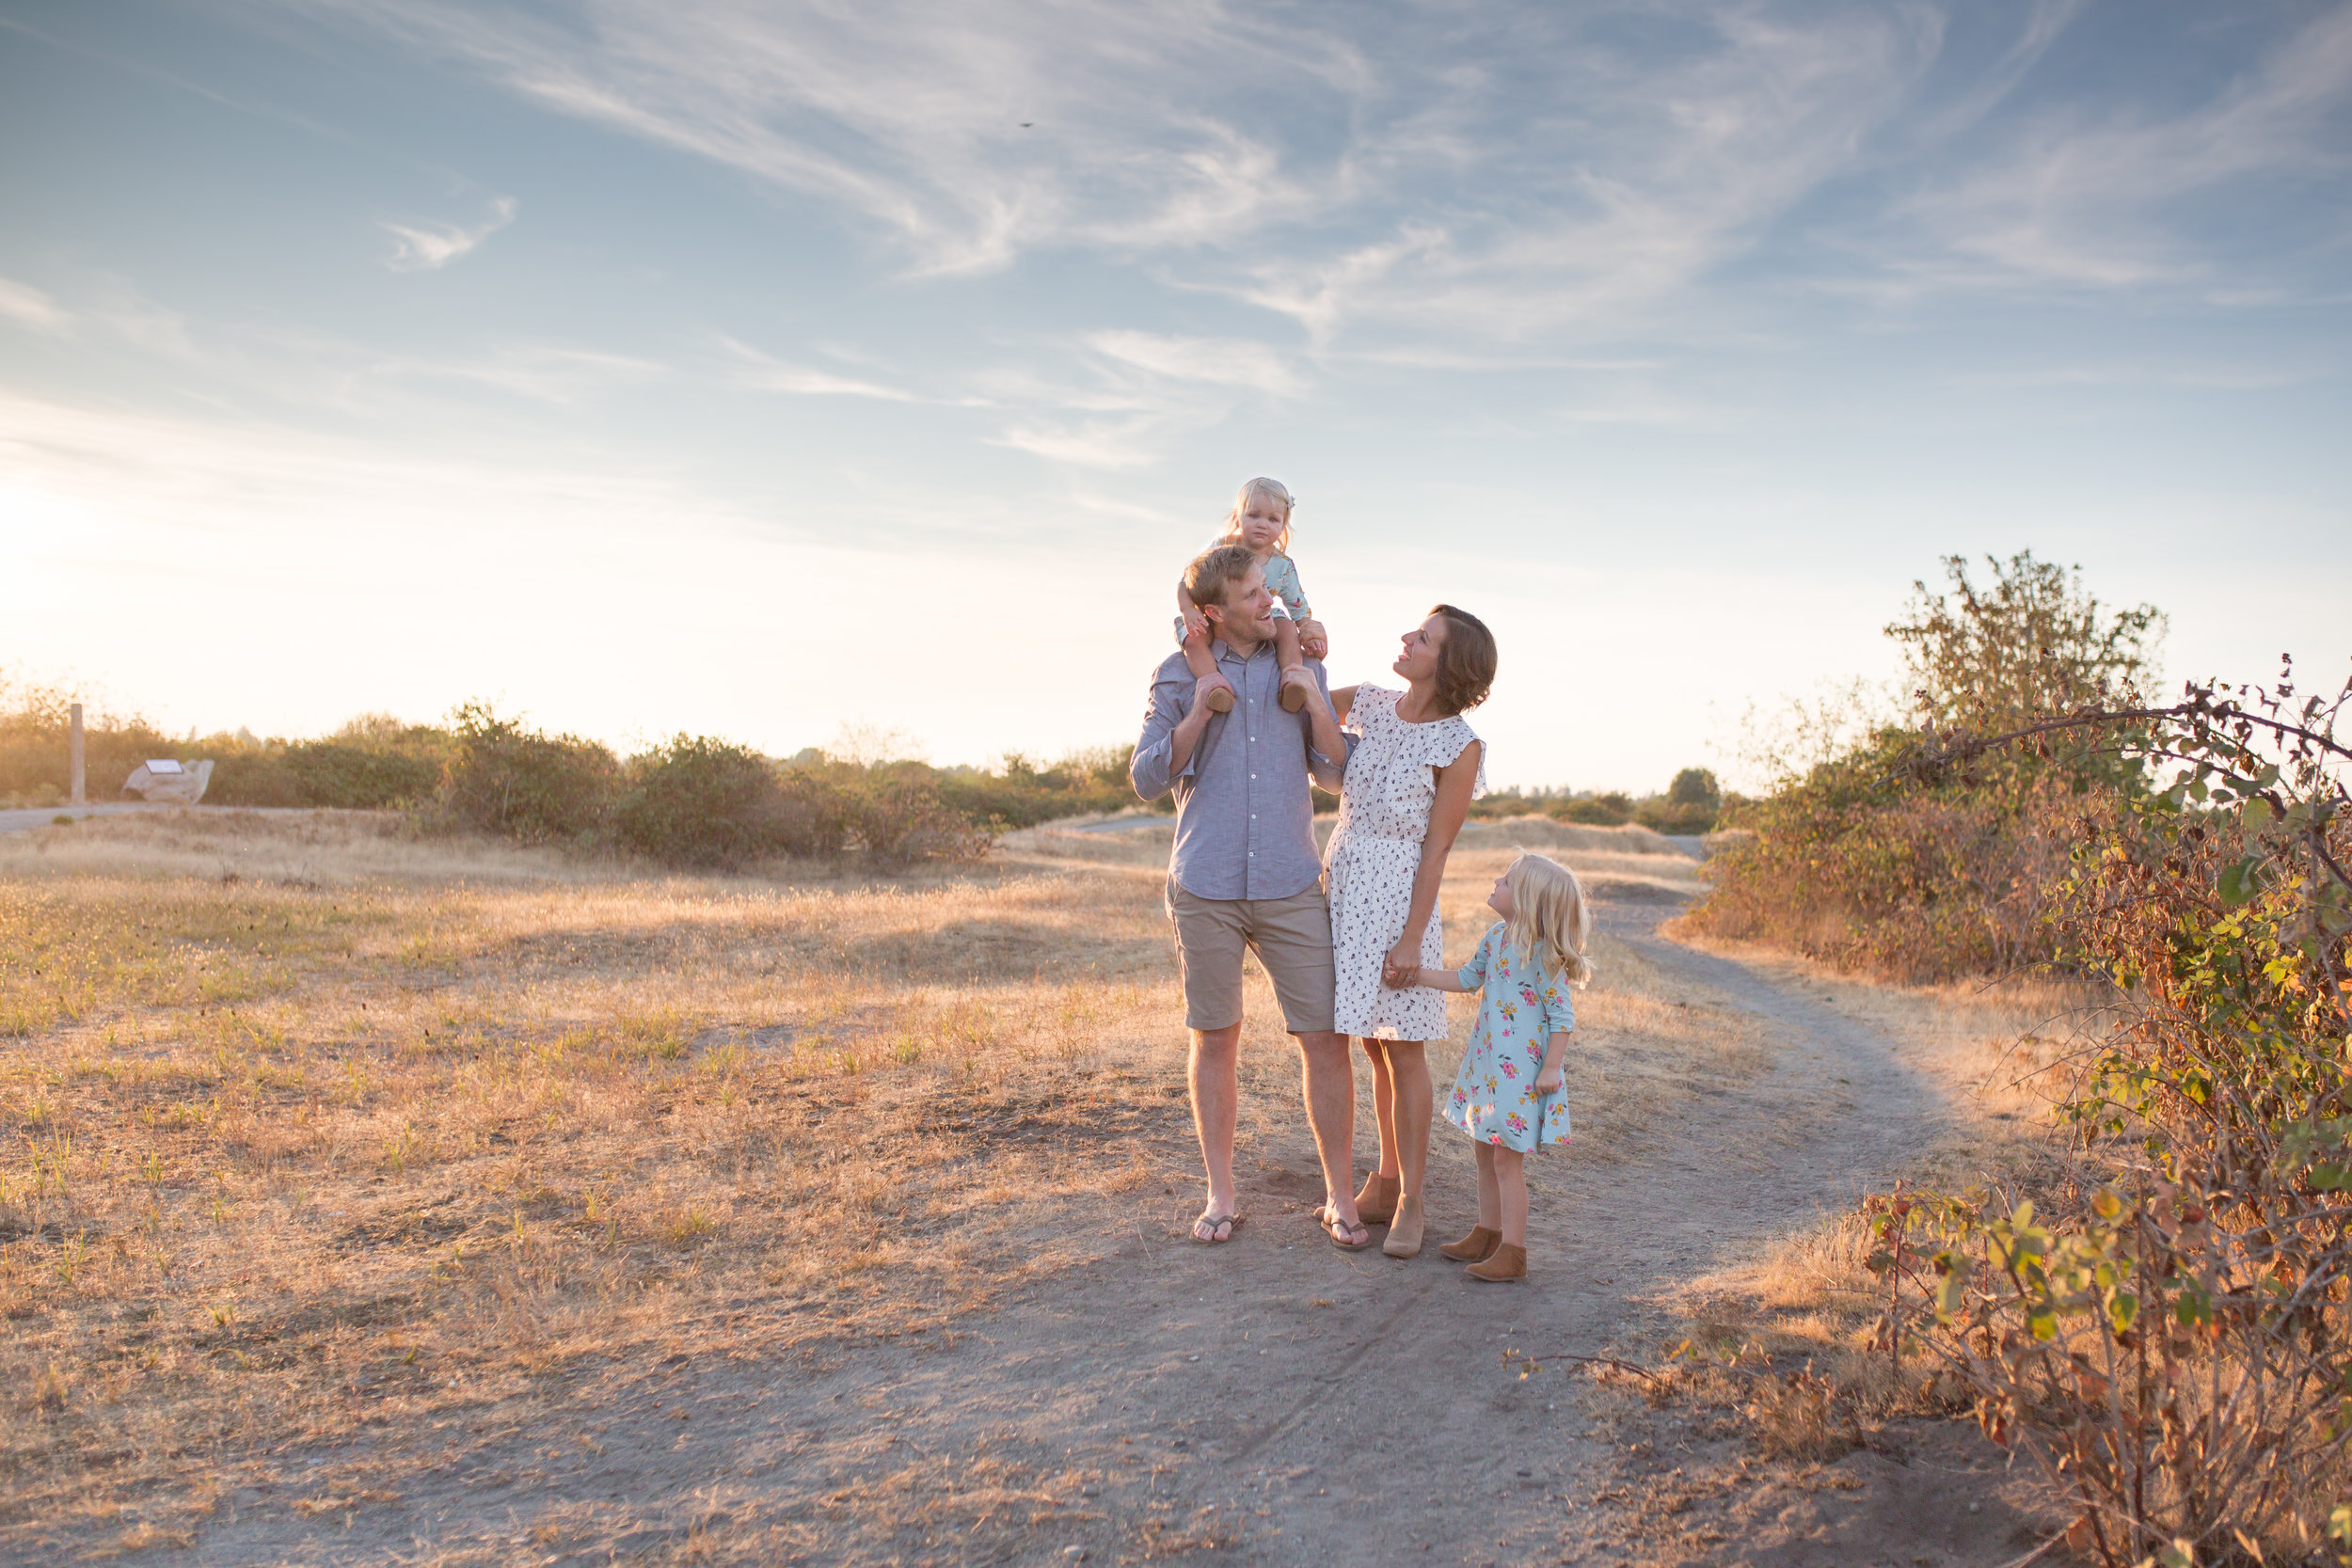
1383	1105
1510	1168
1404	1122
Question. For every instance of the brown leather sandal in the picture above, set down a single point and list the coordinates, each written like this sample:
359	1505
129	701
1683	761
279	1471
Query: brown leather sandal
1333	1228
1476	1247
1220	698
1296	684
1378	1201
1507	1263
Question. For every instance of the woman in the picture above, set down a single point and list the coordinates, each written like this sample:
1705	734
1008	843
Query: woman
1416	768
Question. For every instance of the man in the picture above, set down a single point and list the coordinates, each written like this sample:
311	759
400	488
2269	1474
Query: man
1244	873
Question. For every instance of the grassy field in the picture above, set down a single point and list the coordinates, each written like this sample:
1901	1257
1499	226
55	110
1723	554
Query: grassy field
312	1128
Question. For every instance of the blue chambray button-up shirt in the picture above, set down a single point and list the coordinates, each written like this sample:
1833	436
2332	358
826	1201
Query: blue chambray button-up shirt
1245	823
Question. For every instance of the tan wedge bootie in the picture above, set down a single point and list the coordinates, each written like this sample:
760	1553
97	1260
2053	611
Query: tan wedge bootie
1476	1247
1405	1229
1506	1263
1376	1203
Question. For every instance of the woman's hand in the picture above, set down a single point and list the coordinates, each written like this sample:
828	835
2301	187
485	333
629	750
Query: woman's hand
1400	980
1312	643
1550	1080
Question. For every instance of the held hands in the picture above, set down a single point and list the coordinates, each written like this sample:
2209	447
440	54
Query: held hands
1400	969
1312	643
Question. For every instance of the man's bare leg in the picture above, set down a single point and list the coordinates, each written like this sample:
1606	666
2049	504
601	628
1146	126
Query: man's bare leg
1329	1083
1215	1098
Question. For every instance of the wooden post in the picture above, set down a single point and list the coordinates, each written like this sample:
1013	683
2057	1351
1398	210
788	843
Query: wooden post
73	752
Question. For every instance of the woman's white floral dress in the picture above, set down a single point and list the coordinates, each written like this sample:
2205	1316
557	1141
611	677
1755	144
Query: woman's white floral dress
1494	1098
1368	870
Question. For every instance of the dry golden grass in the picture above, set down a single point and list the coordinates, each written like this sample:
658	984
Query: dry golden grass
310	1127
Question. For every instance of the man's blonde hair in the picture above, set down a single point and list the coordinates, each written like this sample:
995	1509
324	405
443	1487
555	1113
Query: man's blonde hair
1549	919
1211	570
1271	489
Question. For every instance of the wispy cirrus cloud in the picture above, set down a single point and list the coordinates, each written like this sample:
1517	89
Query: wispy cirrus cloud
1503	175
763	372
29	306
428	249
2103	197
1215	361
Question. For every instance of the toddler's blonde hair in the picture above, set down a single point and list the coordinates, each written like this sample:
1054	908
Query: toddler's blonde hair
1549	919
1272	489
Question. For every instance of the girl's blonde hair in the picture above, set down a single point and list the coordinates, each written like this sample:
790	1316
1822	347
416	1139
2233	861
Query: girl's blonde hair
1272	490
1549	919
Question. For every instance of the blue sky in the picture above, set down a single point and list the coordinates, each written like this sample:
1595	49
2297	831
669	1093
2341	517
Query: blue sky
762	369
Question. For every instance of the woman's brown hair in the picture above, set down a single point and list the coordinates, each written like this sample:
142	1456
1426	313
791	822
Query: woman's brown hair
1465	660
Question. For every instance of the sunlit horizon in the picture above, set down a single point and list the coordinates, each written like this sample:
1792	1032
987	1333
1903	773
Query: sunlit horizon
646	370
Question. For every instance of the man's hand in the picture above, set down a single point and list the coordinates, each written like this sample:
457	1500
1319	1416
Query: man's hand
1312	643
1206	684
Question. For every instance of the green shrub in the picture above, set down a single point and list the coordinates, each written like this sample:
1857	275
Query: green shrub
34	744
1613	809
698	802
2167	1333
898	816
535	788
1855	859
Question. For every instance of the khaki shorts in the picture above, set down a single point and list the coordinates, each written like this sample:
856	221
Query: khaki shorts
1293	937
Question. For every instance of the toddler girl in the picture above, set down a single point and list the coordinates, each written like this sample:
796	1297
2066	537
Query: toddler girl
1261	519
1508	1093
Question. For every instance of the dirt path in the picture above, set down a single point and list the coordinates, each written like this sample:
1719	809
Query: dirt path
1273	1401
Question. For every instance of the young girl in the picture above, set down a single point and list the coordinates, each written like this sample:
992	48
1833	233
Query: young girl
1261	519
1508	1093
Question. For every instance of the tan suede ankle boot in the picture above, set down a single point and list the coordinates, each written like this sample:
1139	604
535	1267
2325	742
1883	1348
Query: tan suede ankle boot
1507	1262
1473	1248
1405	1229
1376	1203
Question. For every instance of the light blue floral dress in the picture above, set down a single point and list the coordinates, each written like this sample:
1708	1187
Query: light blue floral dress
1494	1098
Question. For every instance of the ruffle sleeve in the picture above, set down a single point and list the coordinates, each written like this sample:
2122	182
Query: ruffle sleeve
1371	705
1439	744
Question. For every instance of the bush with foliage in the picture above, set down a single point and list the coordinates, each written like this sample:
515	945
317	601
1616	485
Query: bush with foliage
523	784
697	802
1023	794
35	727
1854	858
2172	1337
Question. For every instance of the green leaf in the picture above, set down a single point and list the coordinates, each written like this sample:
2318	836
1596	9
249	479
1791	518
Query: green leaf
2237	884
2122	1311
2256	815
